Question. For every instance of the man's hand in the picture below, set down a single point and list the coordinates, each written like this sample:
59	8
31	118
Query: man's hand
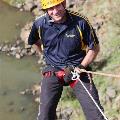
68	74
80	69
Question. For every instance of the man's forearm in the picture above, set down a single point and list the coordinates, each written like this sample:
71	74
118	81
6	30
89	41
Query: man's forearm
38	47
90	56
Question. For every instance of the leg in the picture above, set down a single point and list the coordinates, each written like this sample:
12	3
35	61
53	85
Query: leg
51	91
90	110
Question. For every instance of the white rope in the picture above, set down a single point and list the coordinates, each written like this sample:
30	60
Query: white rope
76	76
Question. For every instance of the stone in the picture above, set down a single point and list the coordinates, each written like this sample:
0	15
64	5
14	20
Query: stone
111	92
18	56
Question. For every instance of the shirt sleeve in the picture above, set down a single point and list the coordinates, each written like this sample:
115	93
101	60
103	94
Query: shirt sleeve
89	35
34	35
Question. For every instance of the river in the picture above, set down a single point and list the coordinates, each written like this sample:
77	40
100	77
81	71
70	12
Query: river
11	20
16	75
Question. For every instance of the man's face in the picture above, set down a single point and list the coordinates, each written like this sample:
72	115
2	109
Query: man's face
57	13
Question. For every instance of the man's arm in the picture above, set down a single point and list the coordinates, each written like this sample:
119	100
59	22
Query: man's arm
38	47
90	56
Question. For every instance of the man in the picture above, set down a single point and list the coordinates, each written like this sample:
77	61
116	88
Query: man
69	42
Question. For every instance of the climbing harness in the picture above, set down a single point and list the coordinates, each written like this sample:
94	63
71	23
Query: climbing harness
76	76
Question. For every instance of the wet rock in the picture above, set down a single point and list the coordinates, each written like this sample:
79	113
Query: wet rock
26	92
4	93
11	110
11	103
22	92
18	56
22	109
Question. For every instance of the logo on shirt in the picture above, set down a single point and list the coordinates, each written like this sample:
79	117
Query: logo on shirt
70	35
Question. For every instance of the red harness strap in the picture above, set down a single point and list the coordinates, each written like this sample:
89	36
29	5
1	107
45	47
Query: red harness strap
47	74
72	84
60	74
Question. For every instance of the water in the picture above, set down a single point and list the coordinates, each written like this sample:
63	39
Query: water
11	20
16	75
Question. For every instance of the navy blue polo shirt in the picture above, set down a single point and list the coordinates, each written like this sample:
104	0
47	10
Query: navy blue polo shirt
64	44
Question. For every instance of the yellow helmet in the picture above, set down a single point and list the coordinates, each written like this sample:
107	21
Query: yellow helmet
50	3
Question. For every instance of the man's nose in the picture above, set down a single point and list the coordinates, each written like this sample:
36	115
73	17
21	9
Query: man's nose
55	9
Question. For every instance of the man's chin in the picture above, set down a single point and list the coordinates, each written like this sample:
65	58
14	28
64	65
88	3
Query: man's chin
58	19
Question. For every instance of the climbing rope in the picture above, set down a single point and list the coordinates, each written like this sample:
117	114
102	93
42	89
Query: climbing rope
76	76
99	73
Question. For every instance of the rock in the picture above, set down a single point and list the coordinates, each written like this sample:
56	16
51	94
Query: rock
24	51
18	56
36	89
18	42
41	60
19	5
18	49
5	48
13	53
108	101
64	114
22	109
11	110
116	103
32	50
37	100
21	55
4	93
13	48
111	92
1	46
25	33
11	103
22	92
29	4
